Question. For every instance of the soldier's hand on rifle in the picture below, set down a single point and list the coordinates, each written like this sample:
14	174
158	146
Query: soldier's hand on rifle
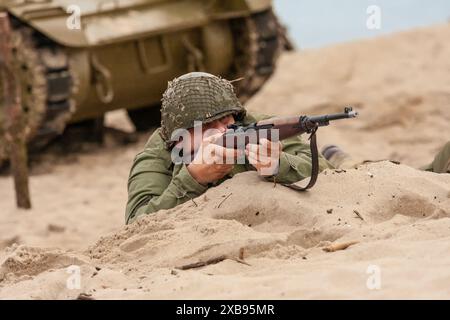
265	156
212	162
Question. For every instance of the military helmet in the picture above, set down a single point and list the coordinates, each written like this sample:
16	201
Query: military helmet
197	96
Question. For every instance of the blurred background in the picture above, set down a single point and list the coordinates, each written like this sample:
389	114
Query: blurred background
318	23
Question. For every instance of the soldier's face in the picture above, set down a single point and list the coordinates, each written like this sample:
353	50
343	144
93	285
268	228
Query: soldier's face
208	129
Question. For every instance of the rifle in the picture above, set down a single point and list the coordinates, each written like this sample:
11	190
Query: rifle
285	127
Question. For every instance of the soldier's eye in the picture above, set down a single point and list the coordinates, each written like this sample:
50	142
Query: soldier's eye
226	120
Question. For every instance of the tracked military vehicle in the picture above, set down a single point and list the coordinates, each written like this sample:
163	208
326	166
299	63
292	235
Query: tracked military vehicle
78	59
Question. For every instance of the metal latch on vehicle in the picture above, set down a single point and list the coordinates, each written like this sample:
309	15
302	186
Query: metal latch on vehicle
102	81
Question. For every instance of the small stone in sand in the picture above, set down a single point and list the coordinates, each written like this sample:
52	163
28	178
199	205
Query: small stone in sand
85	296
339	246
55	228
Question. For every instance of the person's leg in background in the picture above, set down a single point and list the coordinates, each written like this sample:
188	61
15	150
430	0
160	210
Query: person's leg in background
340	159
441	163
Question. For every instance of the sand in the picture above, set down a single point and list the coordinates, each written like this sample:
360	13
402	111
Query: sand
267	242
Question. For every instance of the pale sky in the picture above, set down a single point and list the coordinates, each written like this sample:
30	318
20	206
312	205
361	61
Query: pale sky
314	23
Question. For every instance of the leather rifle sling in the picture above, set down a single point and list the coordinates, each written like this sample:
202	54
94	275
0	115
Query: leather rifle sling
314	165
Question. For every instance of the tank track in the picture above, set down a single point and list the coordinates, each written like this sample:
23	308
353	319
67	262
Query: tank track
259	42
43	71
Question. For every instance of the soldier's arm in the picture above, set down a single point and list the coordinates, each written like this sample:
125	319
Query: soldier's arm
154	185
150	191
295	161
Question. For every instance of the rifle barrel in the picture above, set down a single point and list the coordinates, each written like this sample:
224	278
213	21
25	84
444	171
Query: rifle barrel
348	113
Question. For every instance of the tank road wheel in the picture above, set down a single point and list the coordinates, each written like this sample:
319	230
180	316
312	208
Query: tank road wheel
145	118
46	87
259	41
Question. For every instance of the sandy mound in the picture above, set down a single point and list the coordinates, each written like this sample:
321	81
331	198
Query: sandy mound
399	217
